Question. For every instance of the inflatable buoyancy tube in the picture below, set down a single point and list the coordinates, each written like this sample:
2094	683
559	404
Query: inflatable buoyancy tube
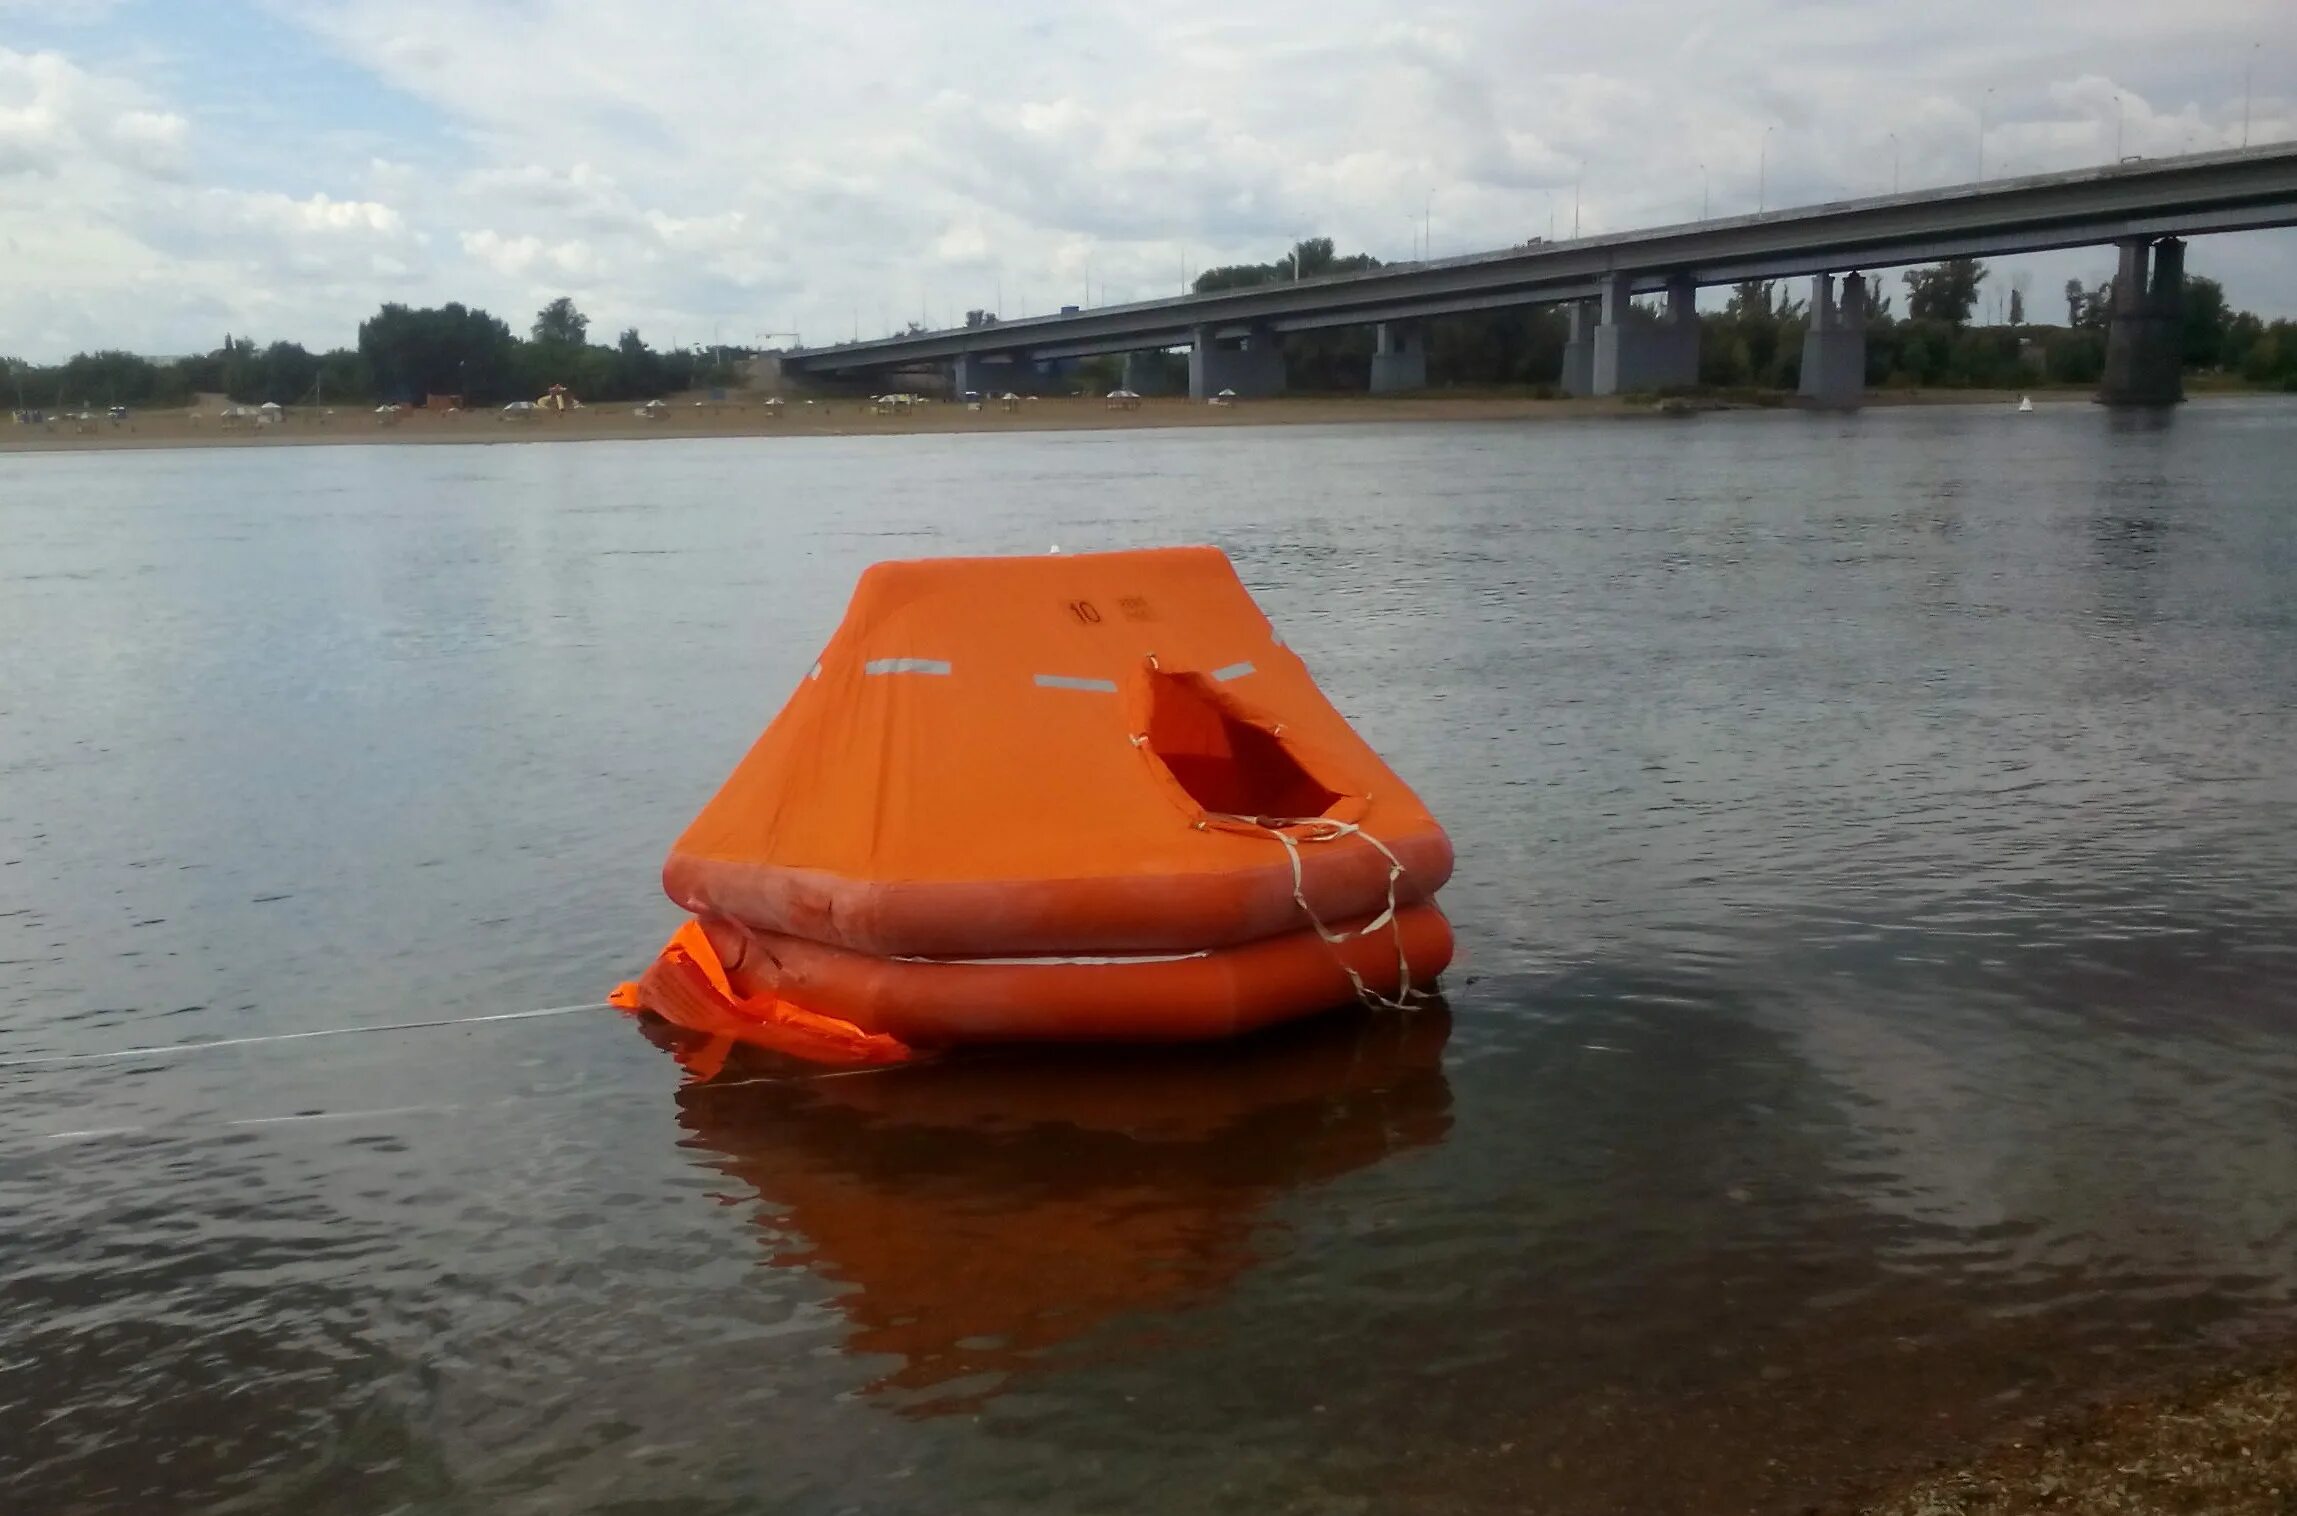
1069	797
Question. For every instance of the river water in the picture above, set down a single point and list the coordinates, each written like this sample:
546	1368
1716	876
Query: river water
1872	1024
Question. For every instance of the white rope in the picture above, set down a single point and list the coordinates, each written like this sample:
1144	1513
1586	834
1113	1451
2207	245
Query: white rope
301	1118
170	1049
1314	829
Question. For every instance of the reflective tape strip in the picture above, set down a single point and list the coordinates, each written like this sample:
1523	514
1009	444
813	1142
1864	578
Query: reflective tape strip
816	674
1234	671
906	666
1074	682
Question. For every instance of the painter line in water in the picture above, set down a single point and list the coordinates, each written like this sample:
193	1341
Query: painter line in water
305	1118
170	1049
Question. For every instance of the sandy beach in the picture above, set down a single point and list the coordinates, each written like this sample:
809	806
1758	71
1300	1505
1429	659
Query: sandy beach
845	417
2224	1444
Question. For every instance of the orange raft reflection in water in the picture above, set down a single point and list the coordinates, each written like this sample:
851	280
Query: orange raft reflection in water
1002	1212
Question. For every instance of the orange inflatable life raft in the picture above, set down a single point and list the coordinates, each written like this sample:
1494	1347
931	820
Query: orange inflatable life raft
1059	798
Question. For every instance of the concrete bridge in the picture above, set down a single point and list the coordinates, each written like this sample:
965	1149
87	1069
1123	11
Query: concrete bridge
2146	207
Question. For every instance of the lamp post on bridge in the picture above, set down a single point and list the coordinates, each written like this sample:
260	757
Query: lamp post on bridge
1702	191
2248	74
1763	173
1983	105
2117	126
1894	163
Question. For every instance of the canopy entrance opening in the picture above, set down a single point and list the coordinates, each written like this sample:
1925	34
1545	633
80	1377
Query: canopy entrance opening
1228	764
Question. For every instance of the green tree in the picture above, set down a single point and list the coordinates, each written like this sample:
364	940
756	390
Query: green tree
2091	309
2206	319
560	322
637	370
452	349
1307	259
1947	292
2075	356
285	373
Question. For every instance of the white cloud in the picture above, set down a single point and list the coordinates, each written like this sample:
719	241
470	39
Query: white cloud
829	167
527	257
151	141
55	115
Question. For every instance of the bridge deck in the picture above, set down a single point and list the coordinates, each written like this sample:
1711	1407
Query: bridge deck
2237	190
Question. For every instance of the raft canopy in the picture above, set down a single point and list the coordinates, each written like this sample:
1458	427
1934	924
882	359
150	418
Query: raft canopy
1047	754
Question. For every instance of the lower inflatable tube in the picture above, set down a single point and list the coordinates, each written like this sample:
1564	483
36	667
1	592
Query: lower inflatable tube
1147	998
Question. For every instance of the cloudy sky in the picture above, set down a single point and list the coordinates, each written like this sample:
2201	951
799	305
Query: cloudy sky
731	169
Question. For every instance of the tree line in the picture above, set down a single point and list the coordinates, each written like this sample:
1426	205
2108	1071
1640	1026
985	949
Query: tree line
1755	342
404	353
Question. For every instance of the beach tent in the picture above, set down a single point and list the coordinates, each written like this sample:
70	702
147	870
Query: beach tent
1085	796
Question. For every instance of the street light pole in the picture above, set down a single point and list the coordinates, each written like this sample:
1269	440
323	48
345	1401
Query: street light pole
1982	108
1894	163
1763	174
1702	192
2117	128
1576	180
2248	73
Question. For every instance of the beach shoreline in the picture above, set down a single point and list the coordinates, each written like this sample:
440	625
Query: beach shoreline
846	417
2222	1441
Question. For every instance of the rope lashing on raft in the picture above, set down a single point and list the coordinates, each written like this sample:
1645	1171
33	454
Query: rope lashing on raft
1316	829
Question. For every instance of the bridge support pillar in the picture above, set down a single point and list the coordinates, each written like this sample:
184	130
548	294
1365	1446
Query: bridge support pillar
2145	334
1399	358
1579	350
1632	353
1834	345
1253	371
992	375
1144	373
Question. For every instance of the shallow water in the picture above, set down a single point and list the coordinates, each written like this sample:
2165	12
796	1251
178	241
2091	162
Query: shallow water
1877	859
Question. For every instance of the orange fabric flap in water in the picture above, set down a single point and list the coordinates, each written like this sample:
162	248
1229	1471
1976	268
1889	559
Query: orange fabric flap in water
687	985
